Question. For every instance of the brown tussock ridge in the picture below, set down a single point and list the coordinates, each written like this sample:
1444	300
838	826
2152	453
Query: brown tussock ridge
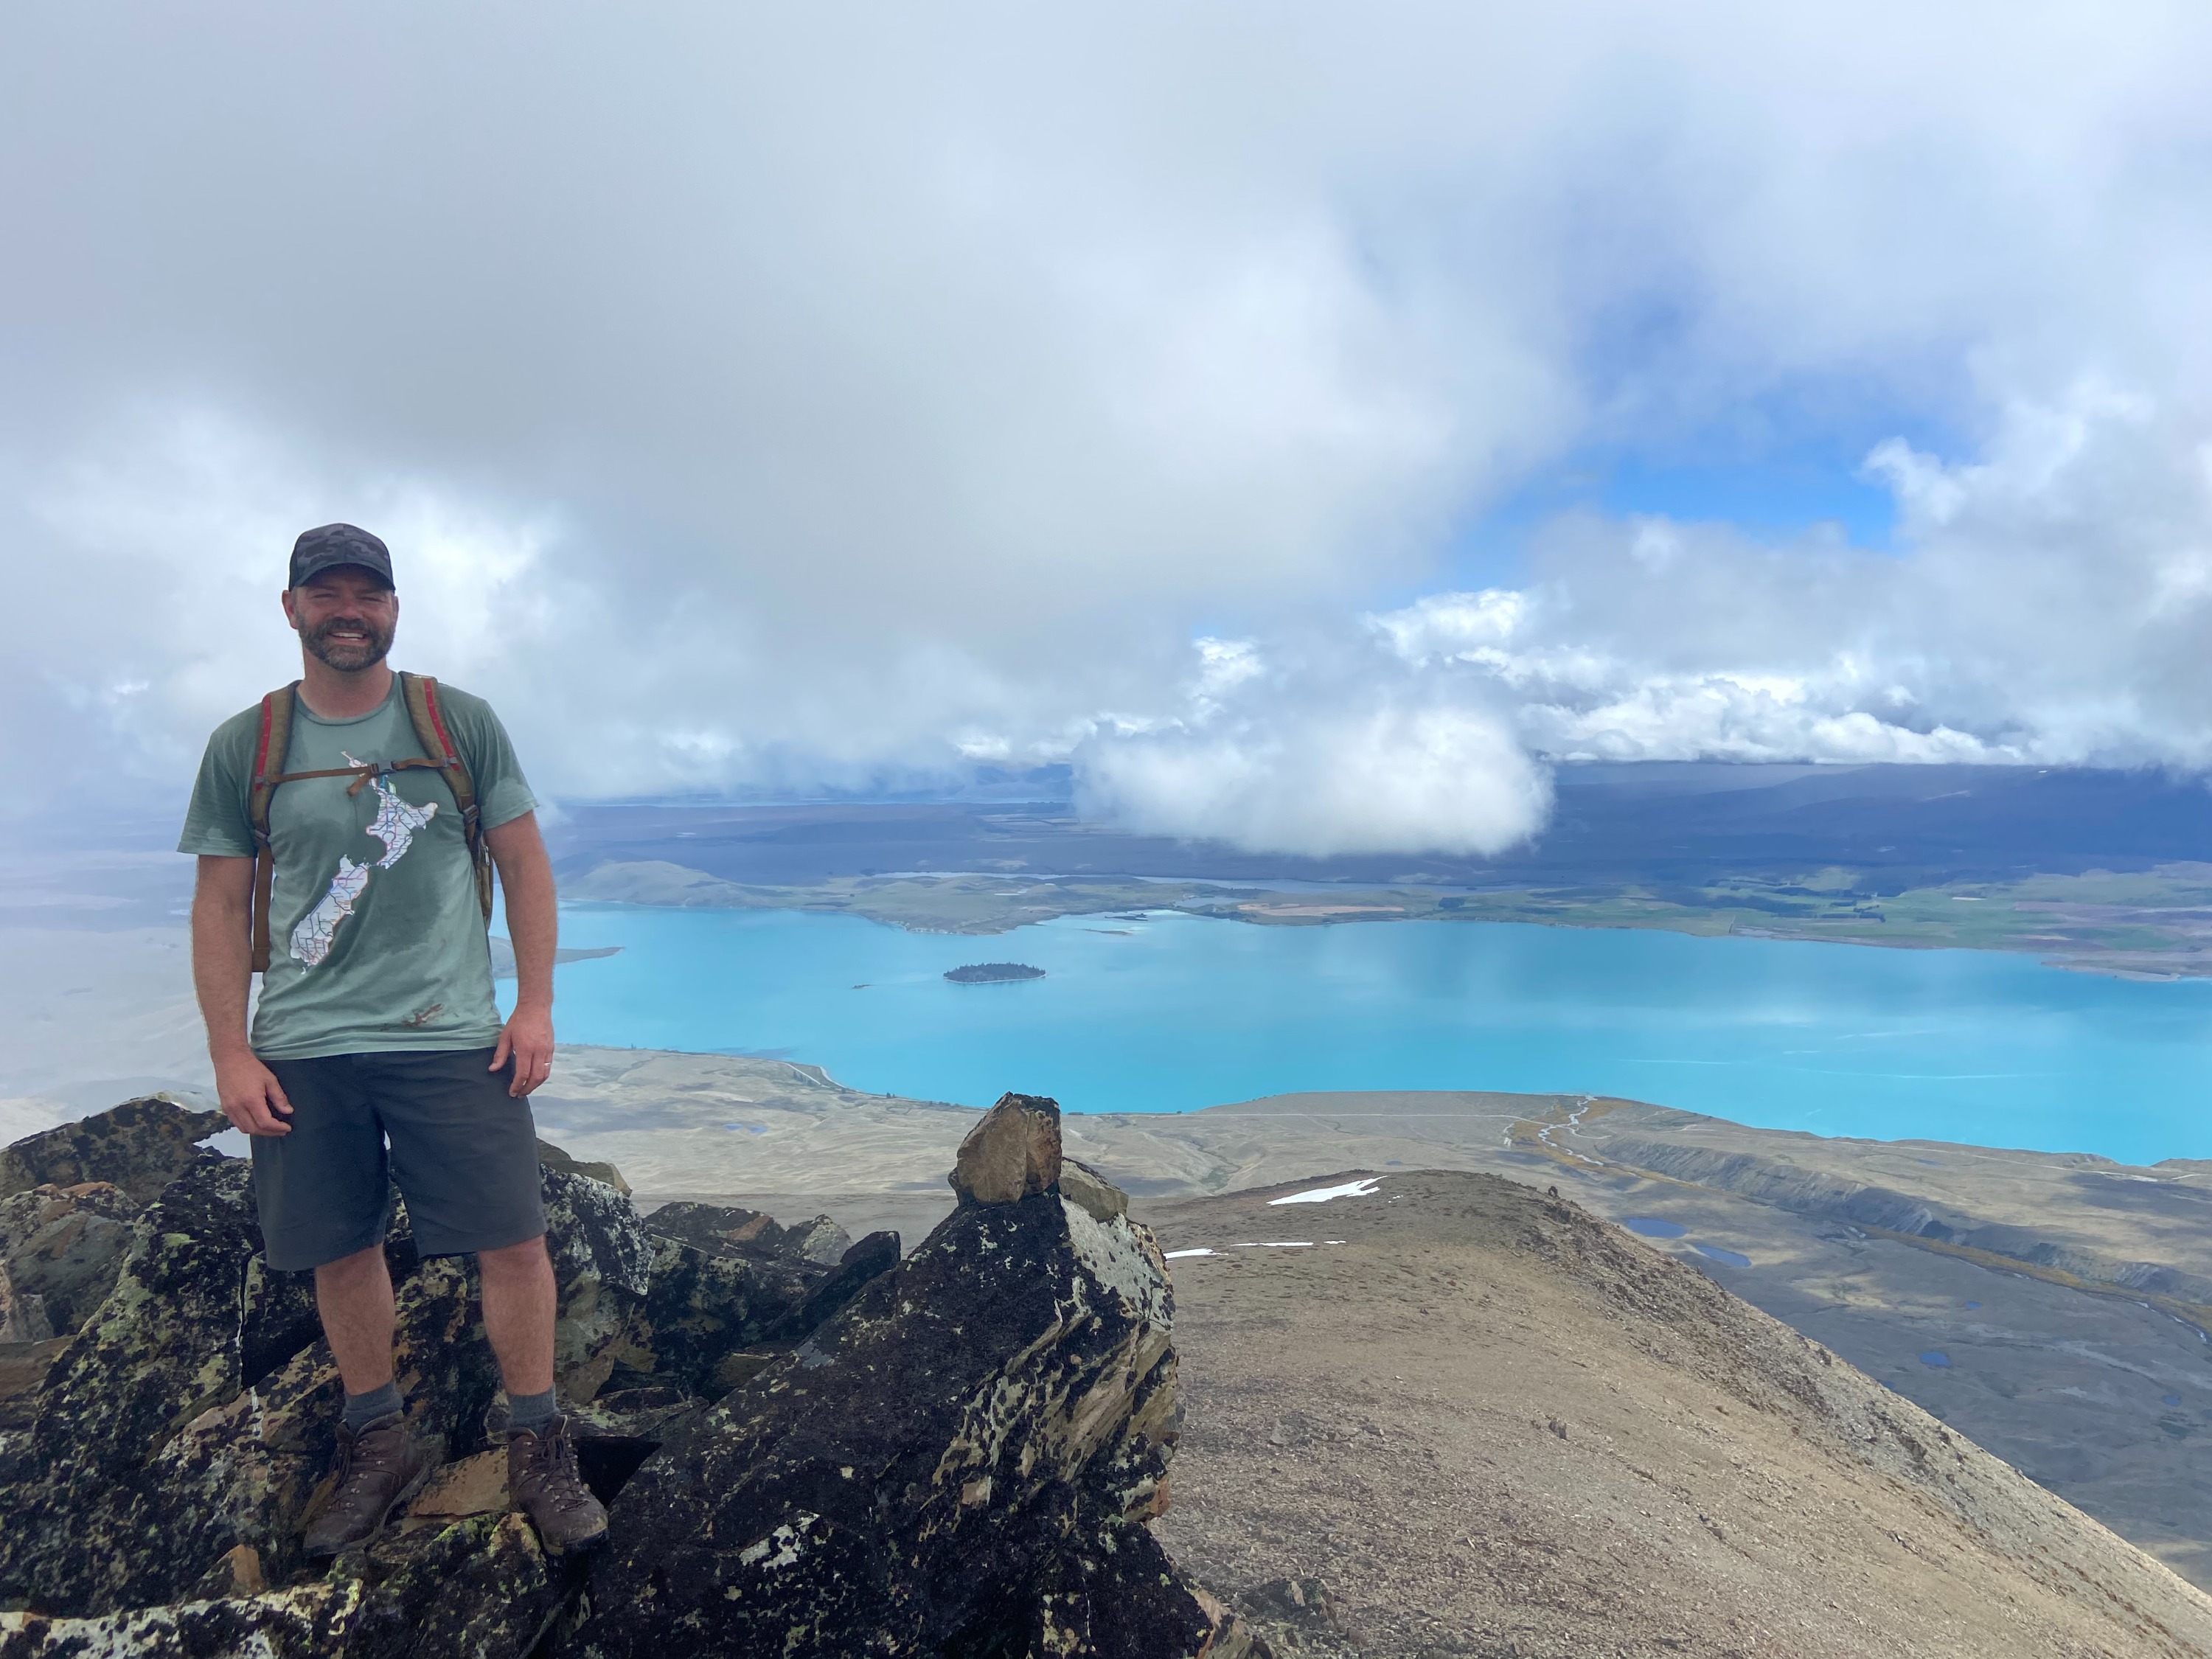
1488	1422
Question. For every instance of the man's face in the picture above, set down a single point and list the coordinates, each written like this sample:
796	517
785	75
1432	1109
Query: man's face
345	616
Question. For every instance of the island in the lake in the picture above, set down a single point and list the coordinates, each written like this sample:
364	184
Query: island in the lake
992	973
2100	872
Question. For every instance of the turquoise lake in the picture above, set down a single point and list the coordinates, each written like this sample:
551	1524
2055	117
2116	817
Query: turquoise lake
1170	1012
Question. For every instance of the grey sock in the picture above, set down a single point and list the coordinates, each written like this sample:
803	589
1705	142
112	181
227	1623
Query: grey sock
363	1409
530	1411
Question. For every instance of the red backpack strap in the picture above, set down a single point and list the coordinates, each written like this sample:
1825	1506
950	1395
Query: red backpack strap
420	694
269	748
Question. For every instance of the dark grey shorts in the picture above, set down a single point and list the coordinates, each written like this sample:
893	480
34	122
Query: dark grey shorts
463	1154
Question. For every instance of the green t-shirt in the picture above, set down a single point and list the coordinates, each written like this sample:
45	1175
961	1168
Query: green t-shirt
376	940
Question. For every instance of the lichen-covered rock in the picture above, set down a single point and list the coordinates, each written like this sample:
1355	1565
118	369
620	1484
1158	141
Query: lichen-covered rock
819	1240
877	1254
66	1245
1011	1153
953	1455
726	1229
919	1476
475	1484
23	1317
603	1261
705	1318
550	1157
277	1316
244	1471
1119	1596
163	1346
197	1412
306	1623
1091	1192
617	1432
699	1309
480	1589
23	1368
141	1147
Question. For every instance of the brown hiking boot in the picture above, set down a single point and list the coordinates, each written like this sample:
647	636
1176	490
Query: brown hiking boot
542	1481
377	1471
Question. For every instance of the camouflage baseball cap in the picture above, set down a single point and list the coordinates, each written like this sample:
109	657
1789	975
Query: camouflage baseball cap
327	546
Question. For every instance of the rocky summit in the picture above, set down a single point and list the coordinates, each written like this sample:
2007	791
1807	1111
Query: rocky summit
803	1454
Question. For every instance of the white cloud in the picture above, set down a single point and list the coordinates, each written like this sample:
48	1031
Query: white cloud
2049	606
779	398
1383	777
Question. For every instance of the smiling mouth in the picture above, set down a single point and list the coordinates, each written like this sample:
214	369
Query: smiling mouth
340	643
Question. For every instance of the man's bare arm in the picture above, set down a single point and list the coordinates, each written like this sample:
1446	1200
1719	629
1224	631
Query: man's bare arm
222	974
533	925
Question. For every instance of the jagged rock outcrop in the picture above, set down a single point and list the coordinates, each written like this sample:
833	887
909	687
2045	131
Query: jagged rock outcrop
63	1246
977	1435
141	1147
550	1157
23	1320
961	1462
725	1230
1091	1192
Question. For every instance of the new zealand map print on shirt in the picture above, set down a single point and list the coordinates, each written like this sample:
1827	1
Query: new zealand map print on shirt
394	824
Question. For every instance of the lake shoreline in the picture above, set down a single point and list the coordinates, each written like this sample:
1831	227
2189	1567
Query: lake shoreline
2170	938
1958	1045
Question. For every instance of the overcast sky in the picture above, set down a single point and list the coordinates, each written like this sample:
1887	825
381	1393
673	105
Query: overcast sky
1313	423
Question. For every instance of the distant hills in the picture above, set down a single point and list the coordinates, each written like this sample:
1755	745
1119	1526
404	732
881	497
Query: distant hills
1691	824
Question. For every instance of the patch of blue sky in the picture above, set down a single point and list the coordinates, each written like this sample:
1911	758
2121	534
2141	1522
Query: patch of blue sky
1778	471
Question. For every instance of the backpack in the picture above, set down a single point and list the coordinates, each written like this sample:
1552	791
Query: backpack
419	692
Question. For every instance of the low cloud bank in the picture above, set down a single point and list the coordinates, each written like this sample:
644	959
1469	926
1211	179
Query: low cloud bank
763	400
1386	779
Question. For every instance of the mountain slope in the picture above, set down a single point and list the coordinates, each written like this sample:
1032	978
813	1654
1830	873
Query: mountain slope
1489	1424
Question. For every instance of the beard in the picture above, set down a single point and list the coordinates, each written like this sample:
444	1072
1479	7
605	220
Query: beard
348	655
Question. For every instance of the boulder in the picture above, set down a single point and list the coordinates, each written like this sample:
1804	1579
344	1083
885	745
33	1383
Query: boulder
1091	1192
603	1260
141	1147
479	1589
819	1240
64	1245
726	1229
550	1157
961	1461
878	1253
1011	1153
23	1316
471	1486
619	1430
23	1368
1124	1599
135	1521
306	1623
704	1312
199	1410
954	1454
163	1346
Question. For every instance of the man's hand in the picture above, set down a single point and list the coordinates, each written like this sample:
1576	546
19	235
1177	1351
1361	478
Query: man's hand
533	923
252	1097
527	1039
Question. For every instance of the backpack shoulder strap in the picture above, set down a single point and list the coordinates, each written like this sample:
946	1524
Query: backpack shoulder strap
275	736
419	692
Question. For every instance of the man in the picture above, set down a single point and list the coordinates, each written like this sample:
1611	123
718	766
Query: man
377	1027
